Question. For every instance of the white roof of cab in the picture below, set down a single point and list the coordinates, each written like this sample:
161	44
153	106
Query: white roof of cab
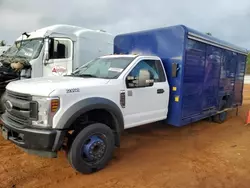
119	55
131	55
61	29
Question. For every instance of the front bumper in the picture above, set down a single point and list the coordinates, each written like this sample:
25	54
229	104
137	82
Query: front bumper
37	141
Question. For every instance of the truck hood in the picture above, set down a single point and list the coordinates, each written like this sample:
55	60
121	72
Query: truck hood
44	86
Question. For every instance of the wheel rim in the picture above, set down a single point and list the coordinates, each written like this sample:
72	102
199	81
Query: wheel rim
223	116
94	148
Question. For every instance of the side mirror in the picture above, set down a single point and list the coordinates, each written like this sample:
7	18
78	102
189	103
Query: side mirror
143	80
18	44
46	56
46	50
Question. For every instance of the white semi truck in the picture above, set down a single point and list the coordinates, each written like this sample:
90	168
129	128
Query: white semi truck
58	49
52	51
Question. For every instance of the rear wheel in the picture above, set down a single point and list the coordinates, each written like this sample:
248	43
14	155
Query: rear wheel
221	117
92	148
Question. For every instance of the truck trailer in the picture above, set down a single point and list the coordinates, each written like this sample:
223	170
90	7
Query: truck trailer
172	74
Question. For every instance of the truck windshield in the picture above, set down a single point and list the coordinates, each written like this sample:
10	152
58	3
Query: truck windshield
109	68
27	48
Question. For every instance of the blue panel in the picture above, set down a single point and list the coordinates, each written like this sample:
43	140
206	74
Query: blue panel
123	44
193	78
211	78
228	72
239	79
216	40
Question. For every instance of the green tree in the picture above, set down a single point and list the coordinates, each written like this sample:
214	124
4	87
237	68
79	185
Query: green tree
2	43
248	64
210	34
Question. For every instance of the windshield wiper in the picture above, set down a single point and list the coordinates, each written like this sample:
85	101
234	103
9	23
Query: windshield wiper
84	75
87	75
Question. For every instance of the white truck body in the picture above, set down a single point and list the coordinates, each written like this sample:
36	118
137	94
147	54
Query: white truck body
77	46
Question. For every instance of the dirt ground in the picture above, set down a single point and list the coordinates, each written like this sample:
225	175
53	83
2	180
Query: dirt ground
203	155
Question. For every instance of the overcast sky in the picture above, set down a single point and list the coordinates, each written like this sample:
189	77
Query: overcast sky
226	19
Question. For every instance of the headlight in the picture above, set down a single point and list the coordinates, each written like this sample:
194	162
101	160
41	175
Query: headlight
47	108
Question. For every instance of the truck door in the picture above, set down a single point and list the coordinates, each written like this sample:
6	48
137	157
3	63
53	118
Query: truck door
60	57
147	104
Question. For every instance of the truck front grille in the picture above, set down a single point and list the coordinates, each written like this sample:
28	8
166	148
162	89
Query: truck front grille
20	96
20	122
22	111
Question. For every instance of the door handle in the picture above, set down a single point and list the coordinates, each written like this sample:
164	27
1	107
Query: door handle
159	91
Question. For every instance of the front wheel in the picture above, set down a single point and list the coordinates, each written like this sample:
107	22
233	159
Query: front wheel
92	148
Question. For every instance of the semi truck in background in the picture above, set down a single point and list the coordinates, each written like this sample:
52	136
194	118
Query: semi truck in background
178	76
52	51
3	49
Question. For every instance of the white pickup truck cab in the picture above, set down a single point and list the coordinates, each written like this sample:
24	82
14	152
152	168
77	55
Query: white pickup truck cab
85	112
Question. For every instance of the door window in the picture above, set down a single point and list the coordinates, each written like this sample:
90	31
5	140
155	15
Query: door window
60	48
153	66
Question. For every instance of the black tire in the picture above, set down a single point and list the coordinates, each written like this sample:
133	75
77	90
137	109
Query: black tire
76	157
2	101
223	104
220	118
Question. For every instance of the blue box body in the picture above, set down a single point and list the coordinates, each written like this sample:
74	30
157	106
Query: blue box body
209	69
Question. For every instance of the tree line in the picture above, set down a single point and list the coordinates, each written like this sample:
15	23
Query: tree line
248	63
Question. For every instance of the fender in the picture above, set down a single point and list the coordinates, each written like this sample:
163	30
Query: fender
85	105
